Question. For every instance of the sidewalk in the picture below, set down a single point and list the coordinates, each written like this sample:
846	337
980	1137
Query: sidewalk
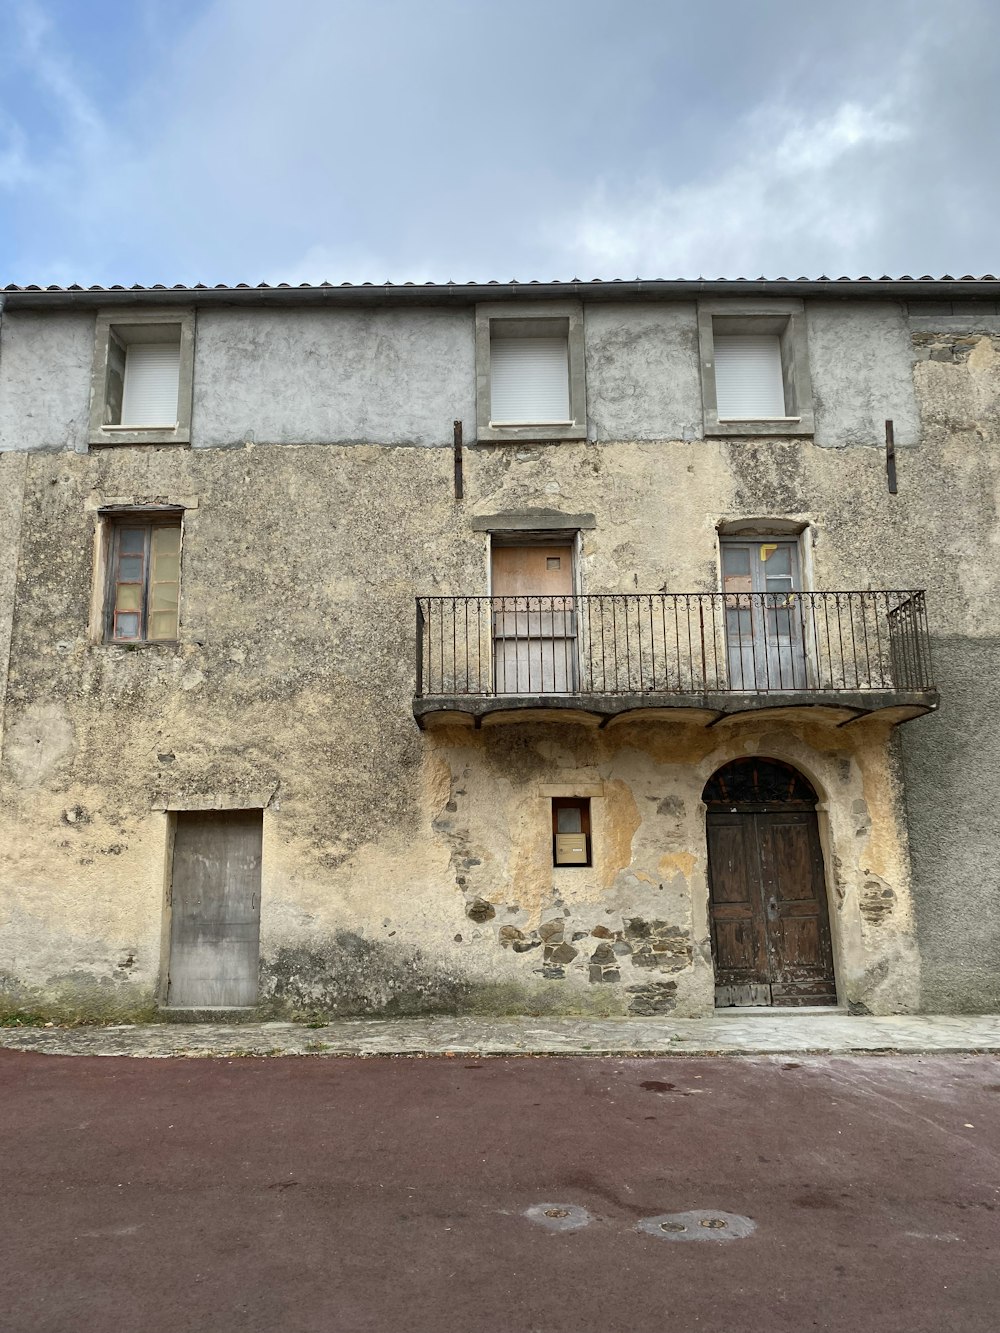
738	1033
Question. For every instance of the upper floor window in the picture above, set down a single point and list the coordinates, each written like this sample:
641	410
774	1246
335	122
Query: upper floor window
141	387
530	371
755	368
748	381
529	379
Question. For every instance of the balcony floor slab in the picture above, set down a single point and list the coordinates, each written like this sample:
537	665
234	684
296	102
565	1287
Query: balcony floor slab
835	709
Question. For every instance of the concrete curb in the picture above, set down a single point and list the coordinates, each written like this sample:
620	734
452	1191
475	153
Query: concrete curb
733	1035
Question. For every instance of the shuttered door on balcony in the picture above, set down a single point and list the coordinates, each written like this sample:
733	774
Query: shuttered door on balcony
748	380
152	372
534	620
529	381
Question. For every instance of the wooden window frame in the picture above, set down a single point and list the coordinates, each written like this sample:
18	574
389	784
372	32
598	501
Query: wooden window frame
147	523
581	803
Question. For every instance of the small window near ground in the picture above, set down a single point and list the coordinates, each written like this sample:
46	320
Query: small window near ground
143	589
571	831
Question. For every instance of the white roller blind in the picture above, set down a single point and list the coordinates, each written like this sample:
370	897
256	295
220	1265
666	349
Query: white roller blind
748	383
529	380
151	376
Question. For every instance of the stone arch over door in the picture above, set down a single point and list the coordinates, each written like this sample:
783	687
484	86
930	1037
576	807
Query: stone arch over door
768	910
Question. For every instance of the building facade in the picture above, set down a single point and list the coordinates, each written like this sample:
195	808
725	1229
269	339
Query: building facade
566	648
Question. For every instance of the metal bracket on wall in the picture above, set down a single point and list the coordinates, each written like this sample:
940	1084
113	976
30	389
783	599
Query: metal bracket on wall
890	456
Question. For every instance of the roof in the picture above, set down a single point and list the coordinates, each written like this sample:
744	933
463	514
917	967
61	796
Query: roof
945	287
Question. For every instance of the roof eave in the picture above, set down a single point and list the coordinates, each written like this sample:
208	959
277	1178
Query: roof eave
942	289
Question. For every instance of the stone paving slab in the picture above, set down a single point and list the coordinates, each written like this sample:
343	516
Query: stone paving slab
759	1033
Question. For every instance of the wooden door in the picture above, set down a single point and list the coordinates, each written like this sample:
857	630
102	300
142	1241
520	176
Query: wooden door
767	891
215	910
765	628
534	620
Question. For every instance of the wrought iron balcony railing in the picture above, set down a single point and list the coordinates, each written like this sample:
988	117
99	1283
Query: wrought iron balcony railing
673	644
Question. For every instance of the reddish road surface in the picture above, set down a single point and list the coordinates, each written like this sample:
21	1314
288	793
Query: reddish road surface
318	1194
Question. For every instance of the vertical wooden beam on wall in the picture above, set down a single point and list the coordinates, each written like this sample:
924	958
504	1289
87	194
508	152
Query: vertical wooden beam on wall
459	489
890	456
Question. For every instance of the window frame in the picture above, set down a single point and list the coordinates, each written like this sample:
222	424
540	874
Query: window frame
112	522
516	320
786	319
581	803
106	335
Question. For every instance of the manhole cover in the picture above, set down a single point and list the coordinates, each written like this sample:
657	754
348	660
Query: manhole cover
558	1216
698	1224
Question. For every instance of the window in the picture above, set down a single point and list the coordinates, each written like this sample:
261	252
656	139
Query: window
748	382
530	371
141	385
755	368
571	831
143	579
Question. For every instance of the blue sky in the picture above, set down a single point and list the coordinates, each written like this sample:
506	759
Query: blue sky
352	140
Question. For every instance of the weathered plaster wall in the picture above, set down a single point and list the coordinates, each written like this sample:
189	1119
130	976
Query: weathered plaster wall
952	761
45	366
12	470
333	376
643	376
401	376
861	373
291	690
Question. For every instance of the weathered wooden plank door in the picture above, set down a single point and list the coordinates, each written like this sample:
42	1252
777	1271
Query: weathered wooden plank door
534	620
767	889
215	909
800	952
765	627
739	937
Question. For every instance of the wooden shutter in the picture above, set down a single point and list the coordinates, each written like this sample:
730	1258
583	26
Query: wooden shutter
152	372
529	380
748	379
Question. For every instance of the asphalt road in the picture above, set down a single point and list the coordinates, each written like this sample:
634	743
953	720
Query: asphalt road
324	1194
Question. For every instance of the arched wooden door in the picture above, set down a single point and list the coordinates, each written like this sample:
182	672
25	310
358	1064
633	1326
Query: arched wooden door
769	916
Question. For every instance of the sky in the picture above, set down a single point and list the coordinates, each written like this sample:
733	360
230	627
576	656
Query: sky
211	141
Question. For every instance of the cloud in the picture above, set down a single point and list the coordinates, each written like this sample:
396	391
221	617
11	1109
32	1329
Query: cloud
796	192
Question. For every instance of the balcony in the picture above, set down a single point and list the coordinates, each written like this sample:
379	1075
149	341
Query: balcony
597	659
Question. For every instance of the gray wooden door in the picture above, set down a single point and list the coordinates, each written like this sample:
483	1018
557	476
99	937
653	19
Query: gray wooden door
215	909
765	626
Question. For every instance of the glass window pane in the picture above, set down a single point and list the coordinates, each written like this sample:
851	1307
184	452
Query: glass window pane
166	540
163	625
129	597
127	626
569	819
735	560
165	567
779	559
130	569
132	540
163	597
